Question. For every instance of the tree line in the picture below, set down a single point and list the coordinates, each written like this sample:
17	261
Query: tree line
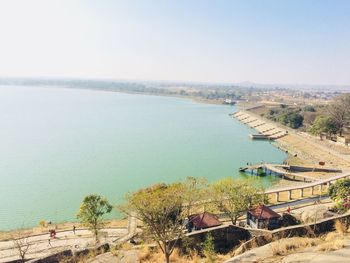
335	118
164	209
329	119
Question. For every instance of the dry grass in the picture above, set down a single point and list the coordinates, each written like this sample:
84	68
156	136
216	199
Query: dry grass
80	259
334	240
331	245
147	255
340	227
126	246
290	245
250	244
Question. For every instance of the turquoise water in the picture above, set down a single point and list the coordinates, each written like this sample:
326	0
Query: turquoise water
58	145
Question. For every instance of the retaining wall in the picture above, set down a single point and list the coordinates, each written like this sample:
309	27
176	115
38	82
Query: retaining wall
312	229
70	255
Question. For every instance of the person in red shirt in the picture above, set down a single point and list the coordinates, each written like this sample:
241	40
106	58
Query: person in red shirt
288	210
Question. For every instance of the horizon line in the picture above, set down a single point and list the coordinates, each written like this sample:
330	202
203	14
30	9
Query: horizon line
242	83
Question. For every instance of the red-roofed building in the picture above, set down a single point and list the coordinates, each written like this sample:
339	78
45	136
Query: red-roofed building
202	221
263	217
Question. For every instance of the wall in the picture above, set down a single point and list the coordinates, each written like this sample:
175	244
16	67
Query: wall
70	255
312	229
226	237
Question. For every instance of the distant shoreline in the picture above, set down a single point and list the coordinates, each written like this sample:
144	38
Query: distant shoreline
197	99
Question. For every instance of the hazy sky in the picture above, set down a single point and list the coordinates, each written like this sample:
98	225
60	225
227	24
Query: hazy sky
266	41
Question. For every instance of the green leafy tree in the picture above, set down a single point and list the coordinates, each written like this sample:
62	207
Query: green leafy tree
339	192
323	124
309	108
160	208
91	212
296	120
209	249
235	197
292	119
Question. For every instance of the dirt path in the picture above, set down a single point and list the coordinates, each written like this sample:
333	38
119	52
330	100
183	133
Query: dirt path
312	152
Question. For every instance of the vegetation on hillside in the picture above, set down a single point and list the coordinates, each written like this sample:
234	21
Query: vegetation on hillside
285	115
164	208
235	197
319	120
323	125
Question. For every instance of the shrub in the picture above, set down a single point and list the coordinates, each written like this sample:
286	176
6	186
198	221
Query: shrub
42	223
340	227
340	193
209	249
332	245
339	190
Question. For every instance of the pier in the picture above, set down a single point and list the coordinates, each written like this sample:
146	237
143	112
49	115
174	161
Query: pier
259	137
284	171
291	173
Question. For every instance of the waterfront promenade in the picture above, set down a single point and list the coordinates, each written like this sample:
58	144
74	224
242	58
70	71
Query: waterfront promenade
39	245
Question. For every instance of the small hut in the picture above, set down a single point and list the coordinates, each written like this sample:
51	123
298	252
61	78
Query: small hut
202	221
263	217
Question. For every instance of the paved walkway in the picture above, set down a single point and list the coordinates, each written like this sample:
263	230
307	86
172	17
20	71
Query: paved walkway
345	174
299	202
40	245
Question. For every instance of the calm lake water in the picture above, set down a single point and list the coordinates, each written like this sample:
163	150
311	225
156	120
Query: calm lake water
58	145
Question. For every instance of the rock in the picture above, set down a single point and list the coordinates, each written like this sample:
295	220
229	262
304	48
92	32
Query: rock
308	215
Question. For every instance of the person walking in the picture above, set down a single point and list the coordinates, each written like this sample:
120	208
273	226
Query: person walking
74	229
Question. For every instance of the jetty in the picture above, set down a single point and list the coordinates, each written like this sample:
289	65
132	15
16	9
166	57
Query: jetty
291	172
259	137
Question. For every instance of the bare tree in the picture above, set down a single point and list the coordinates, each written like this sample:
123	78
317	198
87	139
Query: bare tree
21	244
339	110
